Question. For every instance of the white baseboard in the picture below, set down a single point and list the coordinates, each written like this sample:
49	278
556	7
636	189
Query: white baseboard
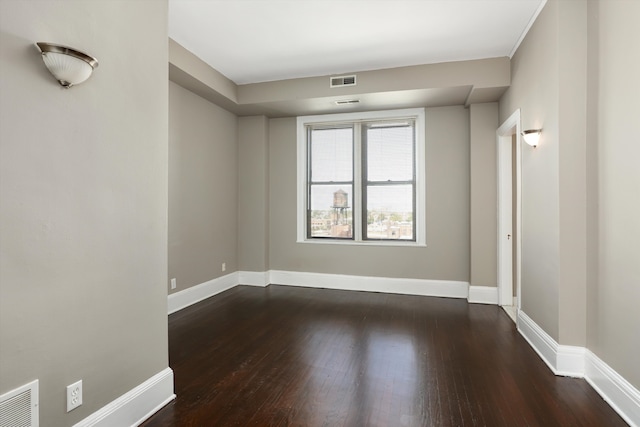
435	288
483	295
564	360
540	341
581	363
135	406
179	300
253	278
570	361
614	389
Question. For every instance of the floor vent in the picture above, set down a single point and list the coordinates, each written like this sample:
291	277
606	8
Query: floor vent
19	407
342	81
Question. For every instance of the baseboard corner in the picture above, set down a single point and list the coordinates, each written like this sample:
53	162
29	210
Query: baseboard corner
253	278
539	340
483	295
580	362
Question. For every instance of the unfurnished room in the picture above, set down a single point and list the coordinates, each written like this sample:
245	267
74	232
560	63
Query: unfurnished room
319	213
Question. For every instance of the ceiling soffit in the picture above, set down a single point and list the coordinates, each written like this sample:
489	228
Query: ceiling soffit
431	85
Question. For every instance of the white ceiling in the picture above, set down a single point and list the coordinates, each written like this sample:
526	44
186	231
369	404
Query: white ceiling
252	41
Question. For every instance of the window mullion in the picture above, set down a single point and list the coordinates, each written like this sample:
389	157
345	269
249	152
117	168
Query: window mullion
382	183
308	176
357	182
330	182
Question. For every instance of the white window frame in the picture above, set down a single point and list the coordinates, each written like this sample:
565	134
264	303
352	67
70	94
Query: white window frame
420	186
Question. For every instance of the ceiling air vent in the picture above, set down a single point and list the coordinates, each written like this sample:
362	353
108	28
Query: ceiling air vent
341	81
347	101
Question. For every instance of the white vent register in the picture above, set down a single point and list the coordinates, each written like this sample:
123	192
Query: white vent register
347	101
19	407
342	81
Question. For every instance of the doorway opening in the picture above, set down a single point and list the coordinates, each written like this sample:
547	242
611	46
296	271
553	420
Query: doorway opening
509	214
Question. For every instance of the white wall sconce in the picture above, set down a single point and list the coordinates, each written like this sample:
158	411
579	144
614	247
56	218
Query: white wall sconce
69	66
532	136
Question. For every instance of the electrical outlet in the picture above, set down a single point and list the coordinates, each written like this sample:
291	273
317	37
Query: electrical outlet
173	283
74	395
224	266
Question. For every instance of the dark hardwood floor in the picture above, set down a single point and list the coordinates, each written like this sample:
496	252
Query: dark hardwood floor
286	356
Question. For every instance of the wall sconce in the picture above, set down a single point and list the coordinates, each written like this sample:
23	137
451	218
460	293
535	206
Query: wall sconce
69	66
532	136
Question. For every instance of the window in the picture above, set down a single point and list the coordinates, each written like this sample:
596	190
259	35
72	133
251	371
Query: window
361	178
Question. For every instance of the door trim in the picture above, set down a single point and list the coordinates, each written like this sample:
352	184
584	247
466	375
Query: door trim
504	135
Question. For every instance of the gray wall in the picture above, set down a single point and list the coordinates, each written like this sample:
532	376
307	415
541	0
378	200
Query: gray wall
203	189
573	76
446	256
253	197
534	89
614	318
572	192
83	206
483	194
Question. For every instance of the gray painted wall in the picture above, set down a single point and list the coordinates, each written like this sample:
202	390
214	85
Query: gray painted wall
581	186
83	206
253	197
614	318
446	256
483	194
203	189
572	192
534	89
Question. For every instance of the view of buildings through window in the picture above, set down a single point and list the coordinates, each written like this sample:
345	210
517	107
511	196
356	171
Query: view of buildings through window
385	190
383	222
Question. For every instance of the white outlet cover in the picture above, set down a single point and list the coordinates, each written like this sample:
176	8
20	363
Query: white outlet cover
173	283
74	395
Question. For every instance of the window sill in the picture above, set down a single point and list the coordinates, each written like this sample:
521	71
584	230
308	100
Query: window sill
392	243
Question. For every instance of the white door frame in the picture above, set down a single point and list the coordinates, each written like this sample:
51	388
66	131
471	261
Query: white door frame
504	136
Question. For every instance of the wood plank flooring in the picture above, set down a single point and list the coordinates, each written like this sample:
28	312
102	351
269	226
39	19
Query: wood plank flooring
287	356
